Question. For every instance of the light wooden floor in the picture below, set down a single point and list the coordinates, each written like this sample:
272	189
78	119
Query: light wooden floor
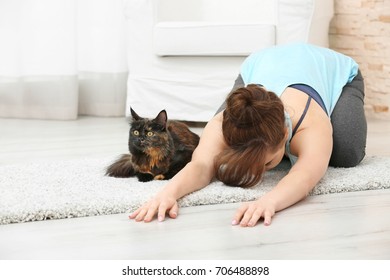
338	226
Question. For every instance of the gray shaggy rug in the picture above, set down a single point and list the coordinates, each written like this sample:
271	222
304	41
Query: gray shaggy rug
78	188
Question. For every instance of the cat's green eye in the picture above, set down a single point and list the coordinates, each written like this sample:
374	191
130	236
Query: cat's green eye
150	133
136	132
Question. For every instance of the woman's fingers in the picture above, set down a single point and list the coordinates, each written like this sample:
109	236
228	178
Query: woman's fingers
247	216
134	214
267	217
255	217
141	215
148	211
174	211
152	210
251	216
240	212
171	209
162	210
250	213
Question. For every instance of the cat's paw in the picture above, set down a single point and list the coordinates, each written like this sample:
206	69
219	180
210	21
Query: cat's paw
144	177
159	177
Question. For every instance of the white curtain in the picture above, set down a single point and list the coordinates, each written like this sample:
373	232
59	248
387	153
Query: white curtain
62	58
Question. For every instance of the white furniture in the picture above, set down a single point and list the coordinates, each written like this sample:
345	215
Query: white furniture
184	55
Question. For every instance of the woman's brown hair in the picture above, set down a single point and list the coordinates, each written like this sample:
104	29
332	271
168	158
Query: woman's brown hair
253	123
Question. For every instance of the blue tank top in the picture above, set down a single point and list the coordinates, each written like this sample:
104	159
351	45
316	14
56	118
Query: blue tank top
278	67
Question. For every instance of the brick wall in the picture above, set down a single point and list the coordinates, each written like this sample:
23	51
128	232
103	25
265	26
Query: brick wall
361	29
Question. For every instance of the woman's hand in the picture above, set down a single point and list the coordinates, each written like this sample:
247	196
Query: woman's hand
160	205
250	213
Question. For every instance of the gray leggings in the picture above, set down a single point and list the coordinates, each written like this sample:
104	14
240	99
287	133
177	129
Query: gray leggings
348	122
349	125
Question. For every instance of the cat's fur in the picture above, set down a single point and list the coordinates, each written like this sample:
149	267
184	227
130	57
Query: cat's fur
158	149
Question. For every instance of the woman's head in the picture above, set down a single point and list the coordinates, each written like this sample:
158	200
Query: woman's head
254	129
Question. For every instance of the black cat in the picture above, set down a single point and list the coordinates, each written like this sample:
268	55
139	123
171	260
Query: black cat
158	149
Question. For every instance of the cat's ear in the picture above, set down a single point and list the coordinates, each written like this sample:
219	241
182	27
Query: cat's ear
134	115
162	118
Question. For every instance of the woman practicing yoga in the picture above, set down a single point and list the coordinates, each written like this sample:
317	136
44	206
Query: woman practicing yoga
297	101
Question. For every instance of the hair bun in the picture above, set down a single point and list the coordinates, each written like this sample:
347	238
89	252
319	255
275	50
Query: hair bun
244	106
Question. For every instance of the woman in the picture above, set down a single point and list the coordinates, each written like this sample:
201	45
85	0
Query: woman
301	101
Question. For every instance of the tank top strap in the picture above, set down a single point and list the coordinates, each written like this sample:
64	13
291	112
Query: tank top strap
288	122
302	116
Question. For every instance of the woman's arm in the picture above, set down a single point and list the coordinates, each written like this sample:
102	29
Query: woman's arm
194	176
313	145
